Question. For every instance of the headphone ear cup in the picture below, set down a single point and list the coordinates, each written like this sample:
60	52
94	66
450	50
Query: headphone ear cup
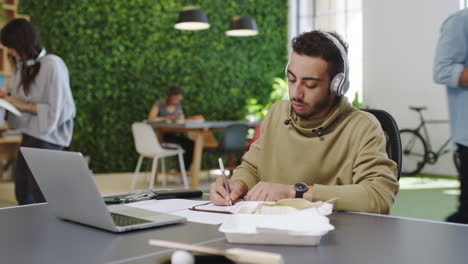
337	83
344	88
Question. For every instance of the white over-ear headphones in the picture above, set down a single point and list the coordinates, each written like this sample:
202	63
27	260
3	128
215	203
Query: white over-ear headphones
339	84
31	62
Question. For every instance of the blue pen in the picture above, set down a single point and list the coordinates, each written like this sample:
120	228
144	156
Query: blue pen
226	185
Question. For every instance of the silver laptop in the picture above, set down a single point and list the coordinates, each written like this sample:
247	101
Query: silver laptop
68	186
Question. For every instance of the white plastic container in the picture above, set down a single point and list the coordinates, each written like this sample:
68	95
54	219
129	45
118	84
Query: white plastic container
247	207
303	228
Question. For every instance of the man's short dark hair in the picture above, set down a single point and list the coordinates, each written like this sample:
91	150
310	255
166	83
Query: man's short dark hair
317	44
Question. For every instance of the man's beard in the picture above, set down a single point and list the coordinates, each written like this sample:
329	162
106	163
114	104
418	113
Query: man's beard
319	106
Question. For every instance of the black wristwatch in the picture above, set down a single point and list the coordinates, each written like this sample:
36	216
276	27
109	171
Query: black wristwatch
300	189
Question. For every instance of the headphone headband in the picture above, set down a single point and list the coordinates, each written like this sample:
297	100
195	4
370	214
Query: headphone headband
340	82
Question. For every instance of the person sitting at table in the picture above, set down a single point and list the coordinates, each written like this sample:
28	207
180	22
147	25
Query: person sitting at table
170	109
316	145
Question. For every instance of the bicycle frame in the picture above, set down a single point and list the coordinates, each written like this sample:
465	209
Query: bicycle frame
426	137
420	136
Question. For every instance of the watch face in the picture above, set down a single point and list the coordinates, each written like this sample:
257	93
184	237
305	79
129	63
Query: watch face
301	187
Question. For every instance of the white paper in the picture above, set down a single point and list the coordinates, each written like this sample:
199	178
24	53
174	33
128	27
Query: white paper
5	104
203	217
181	207
167	205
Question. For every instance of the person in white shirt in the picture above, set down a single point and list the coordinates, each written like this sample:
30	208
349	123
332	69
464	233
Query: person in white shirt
40	89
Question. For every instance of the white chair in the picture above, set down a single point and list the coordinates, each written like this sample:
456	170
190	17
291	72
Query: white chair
147	145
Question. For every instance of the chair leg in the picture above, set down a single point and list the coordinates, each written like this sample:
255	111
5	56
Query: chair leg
137	172
182	170
154	169
163	172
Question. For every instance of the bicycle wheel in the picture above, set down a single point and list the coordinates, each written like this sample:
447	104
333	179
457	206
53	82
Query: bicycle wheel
414	152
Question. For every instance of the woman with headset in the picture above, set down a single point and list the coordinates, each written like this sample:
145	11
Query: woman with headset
40	89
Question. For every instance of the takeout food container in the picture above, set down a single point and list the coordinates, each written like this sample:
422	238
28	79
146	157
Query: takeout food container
302	228
249	207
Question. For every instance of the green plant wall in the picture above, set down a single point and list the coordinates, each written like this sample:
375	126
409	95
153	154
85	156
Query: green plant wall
123	55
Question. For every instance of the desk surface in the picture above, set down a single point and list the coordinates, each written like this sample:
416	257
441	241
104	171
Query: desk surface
30	234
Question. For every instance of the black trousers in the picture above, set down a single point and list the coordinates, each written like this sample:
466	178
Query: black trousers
462	152
26	189
185	143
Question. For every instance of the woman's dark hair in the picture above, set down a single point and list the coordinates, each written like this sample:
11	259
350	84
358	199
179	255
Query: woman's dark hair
317	44
174	90
20	35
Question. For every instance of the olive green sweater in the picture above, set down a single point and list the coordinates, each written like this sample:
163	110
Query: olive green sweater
341	156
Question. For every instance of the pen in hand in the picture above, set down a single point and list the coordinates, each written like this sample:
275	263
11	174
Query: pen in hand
226	185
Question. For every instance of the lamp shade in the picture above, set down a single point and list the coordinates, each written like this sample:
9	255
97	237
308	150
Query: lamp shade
242	26
192	18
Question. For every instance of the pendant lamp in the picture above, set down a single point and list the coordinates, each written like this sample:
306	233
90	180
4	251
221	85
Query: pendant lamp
192	18
242	26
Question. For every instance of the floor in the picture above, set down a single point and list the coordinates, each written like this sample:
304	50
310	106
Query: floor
427	197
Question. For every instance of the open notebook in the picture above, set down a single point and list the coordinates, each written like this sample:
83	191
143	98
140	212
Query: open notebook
210	207
248	207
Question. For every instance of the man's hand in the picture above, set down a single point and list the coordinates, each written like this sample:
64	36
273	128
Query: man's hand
3	93
266	191
219	195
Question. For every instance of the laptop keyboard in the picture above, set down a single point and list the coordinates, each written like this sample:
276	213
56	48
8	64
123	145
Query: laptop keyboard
125	220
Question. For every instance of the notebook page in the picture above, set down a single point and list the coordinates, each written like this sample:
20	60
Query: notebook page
202	217
167	205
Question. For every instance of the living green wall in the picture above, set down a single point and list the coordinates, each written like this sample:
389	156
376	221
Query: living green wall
122	55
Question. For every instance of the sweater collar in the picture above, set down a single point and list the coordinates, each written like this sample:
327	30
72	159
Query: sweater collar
321	126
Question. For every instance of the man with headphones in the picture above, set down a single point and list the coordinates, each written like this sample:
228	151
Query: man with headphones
316	146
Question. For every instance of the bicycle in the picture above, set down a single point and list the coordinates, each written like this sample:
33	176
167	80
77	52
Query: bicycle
417	148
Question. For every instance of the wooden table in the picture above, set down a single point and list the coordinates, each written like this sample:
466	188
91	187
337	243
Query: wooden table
199	130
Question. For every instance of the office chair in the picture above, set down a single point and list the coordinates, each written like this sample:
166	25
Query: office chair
392	133
232	142
255	137
147	145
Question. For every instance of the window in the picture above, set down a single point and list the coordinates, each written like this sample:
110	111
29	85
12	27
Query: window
342	16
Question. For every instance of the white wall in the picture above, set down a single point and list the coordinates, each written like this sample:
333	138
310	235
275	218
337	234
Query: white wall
399	40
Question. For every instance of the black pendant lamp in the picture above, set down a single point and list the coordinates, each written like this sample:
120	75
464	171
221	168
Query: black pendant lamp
192	18
242	26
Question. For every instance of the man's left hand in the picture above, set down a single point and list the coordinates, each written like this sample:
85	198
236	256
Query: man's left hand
267	191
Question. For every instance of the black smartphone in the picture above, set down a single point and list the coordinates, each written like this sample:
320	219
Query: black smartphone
169	194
